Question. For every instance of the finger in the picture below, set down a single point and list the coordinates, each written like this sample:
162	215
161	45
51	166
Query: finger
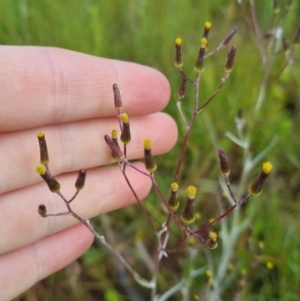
41	86
73	146
26	266
105	190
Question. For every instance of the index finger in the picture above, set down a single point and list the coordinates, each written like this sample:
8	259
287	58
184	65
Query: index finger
41	86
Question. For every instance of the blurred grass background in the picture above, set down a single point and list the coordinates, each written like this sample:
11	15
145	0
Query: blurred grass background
144	32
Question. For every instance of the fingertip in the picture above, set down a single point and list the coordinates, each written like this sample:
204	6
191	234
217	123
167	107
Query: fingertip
67	246
25	266
168	133
173	129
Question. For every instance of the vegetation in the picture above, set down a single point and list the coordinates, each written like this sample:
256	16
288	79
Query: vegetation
266	257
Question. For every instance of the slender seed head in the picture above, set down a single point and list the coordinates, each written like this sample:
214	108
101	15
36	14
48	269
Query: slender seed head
149	159
80	179
223	163
230	59
229	37
188	213
42	210
212	242
117	98
125	135
52	183
44	157
114	147
181	92
256	188
173	200
114	137
199	65
178	62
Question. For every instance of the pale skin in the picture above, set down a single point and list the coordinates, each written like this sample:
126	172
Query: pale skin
69	97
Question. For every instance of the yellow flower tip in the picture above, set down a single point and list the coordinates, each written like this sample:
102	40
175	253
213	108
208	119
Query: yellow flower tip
178	41
267	167
207	25
174	186
191	192
213	235
40	135
147	143
244	272
211	220
203	42
41	169
124	117
192	240
198	215
114	134
261	245
270	265
208	273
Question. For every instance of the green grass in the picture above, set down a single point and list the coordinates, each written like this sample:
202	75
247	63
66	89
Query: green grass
144	32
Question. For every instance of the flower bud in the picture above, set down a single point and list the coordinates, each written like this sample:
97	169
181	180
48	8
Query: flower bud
125	135
114	137
199	66
230	59
42	210
181	92
117	98
256	187
207	27
52	183
117	153
212	242
223	163
229	37
173	200
80	179
44	157
188	213
178	59
149	159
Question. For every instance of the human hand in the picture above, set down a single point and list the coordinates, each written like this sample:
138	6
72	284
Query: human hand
69	97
